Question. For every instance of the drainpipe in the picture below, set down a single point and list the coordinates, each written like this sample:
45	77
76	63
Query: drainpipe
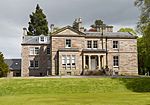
106	54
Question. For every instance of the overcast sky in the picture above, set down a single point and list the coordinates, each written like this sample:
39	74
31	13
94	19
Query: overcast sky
14	15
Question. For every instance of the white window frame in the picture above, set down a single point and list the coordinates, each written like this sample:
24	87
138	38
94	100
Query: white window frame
94	44
63	59
115	44
31	50
67	60
89	44
42	39
34	64
116	61
31	63
67	45
34	51
73	60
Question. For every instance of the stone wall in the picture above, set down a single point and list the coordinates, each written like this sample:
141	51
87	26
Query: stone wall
42	57
127	53
59	43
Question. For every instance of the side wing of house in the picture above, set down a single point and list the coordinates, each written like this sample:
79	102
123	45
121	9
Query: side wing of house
35	56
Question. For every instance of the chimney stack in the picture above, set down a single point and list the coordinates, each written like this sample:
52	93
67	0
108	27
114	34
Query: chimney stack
52	28
79	21
24	31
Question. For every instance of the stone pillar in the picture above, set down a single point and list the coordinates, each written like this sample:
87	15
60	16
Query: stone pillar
89	62
104	61
83	61
99	61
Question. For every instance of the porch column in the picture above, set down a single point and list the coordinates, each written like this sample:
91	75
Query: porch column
102	60
99	61
83	61
89	62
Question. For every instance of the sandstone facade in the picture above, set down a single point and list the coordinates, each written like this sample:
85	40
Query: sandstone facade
74	53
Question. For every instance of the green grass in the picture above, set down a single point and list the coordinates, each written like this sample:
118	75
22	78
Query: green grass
79	91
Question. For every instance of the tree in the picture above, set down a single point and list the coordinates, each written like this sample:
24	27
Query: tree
38	23
127	30
3	66
144	28
98	24
75	24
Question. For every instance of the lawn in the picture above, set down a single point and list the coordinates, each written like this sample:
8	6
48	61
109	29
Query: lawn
75	91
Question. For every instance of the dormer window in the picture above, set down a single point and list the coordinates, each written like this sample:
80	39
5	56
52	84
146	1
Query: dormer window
42	39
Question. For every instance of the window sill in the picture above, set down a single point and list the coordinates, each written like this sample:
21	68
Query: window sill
33	54
115	66
116	48
33	68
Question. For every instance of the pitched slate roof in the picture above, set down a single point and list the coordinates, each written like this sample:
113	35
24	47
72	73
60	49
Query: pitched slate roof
111	34
34	39
14	64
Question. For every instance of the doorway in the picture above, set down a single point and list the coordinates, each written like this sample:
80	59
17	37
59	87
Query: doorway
94	62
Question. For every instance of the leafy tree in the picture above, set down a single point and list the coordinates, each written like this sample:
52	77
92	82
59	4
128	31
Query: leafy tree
75	24
98	24
144	28
38	23
127	30
3	66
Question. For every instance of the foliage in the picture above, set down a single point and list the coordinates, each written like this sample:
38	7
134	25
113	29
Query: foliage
3	66
38	24
94	91
75	25
144	28
98	24
127	30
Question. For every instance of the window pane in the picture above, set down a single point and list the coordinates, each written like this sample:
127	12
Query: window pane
31	63
32	51
36	64
94	44
42	39
68	43
63	60
48	50
73	60
115	44
115	61
36	50
89	44
68	60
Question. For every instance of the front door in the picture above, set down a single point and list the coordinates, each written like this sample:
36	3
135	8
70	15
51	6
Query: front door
93	63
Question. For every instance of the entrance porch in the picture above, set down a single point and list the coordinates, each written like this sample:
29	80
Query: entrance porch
93	61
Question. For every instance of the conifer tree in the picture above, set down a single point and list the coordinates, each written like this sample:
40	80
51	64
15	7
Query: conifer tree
3	66
38	23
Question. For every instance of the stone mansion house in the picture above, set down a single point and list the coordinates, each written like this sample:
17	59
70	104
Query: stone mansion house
68	51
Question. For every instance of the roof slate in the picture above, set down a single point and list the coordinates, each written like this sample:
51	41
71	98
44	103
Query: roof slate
34	40
110	34
14	64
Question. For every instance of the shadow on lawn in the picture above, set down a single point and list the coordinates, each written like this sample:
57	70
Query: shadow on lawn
136	84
